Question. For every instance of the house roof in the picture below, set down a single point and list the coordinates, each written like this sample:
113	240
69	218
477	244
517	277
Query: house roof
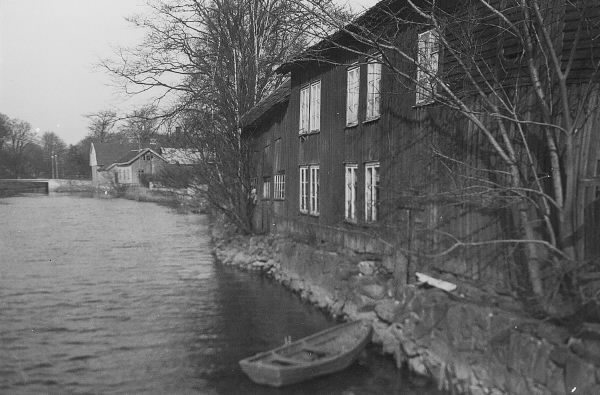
279	96
108	153
386	14
181	156
132	156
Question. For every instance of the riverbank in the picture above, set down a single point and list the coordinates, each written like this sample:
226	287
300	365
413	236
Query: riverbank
468	341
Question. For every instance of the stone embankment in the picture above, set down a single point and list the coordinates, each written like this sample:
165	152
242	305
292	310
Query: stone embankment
469	342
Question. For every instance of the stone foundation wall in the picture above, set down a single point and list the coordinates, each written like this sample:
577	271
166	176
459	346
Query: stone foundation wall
469	342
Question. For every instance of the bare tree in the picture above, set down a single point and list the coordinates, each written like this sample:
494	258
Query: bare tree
213	60
141	125
4	128
54	149
19	137
101	124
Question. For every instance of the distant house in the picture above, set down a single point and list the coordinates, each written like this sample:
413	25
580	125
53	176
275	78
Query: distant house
103	155
133	166
122	163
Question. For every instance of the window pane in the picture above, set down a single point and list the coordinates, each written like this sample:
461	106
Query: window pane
428	61
315	106
304	96
304	189
373	90
314	190
350	193
352	94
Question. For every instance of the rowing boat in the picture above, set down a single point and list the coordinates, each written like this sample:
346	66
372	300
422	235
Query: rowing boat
326	352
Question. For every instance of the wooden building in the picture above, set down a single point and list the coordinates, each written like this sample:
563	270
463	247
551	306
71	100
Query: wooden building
348	152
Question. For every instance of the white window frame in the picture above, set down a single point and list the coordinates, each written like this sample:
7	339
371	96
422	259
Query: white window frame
266	188
351	182
352	95
309	189
314	190
310	108
373	89
372	176
279	185
427	65
304	189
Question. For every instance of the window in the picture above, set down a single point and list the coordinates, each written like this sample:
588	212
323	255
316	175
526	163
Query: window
427	67
352	94
373	89
279	182
310	108
304	189
351	181
140	175
253	193
314	190
371	191
148	157
266	187
309	189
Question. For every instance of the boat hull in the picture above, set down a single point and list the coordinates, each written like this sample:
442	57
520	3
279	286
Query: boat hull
284	365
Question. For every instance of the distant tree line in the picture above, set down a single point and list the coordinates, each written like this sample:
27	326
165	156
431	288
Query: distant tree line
24	154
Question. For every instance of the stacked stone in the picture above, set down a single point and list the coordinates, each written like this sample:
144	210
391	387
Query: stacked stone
468	342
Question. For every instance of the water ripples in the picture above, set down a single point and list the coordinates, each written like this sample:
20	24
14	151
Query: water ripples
112	296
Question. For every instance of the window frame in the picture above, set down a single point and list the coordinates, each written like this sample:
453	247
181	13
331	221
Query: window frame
266	189
310	108
373	110
279	186
428	50
314	189
309	190
350	195
303	190
352	94
372	182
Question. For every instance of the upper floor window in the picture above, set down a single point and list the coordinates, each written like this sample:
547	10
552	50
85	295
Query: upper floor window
371	191
310	108
373	89
427	67
352	94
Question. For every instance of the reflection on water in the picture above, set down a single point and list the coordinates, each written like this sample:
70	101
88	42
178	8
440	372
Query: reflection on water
115	296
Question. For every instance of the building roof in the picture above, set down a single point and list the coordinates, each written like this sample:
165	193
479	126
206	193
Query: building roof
132	156
385	15
181	156
279	96
108	153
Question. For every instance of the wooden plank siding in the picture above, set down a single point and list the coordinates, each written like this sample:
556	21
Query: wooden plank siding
434	164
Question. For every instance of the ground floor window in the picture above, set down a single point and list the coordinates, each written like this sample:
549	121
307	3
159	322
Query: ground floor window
314	190
266	188
350	195
371	191
309	189
279	184
124	175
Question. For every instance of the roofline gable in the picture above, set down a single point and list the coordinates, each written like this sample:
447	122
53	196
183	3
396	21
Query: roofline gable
136	157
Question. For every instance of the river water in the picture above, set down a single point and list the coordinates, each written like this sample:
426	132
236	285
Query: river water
114	296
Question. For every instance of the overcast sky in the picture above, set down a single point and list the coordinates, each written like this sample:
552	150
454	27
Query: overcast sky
49	50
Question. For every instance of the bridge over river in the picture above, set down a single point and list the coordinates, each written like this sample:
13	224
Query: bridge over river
42	185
